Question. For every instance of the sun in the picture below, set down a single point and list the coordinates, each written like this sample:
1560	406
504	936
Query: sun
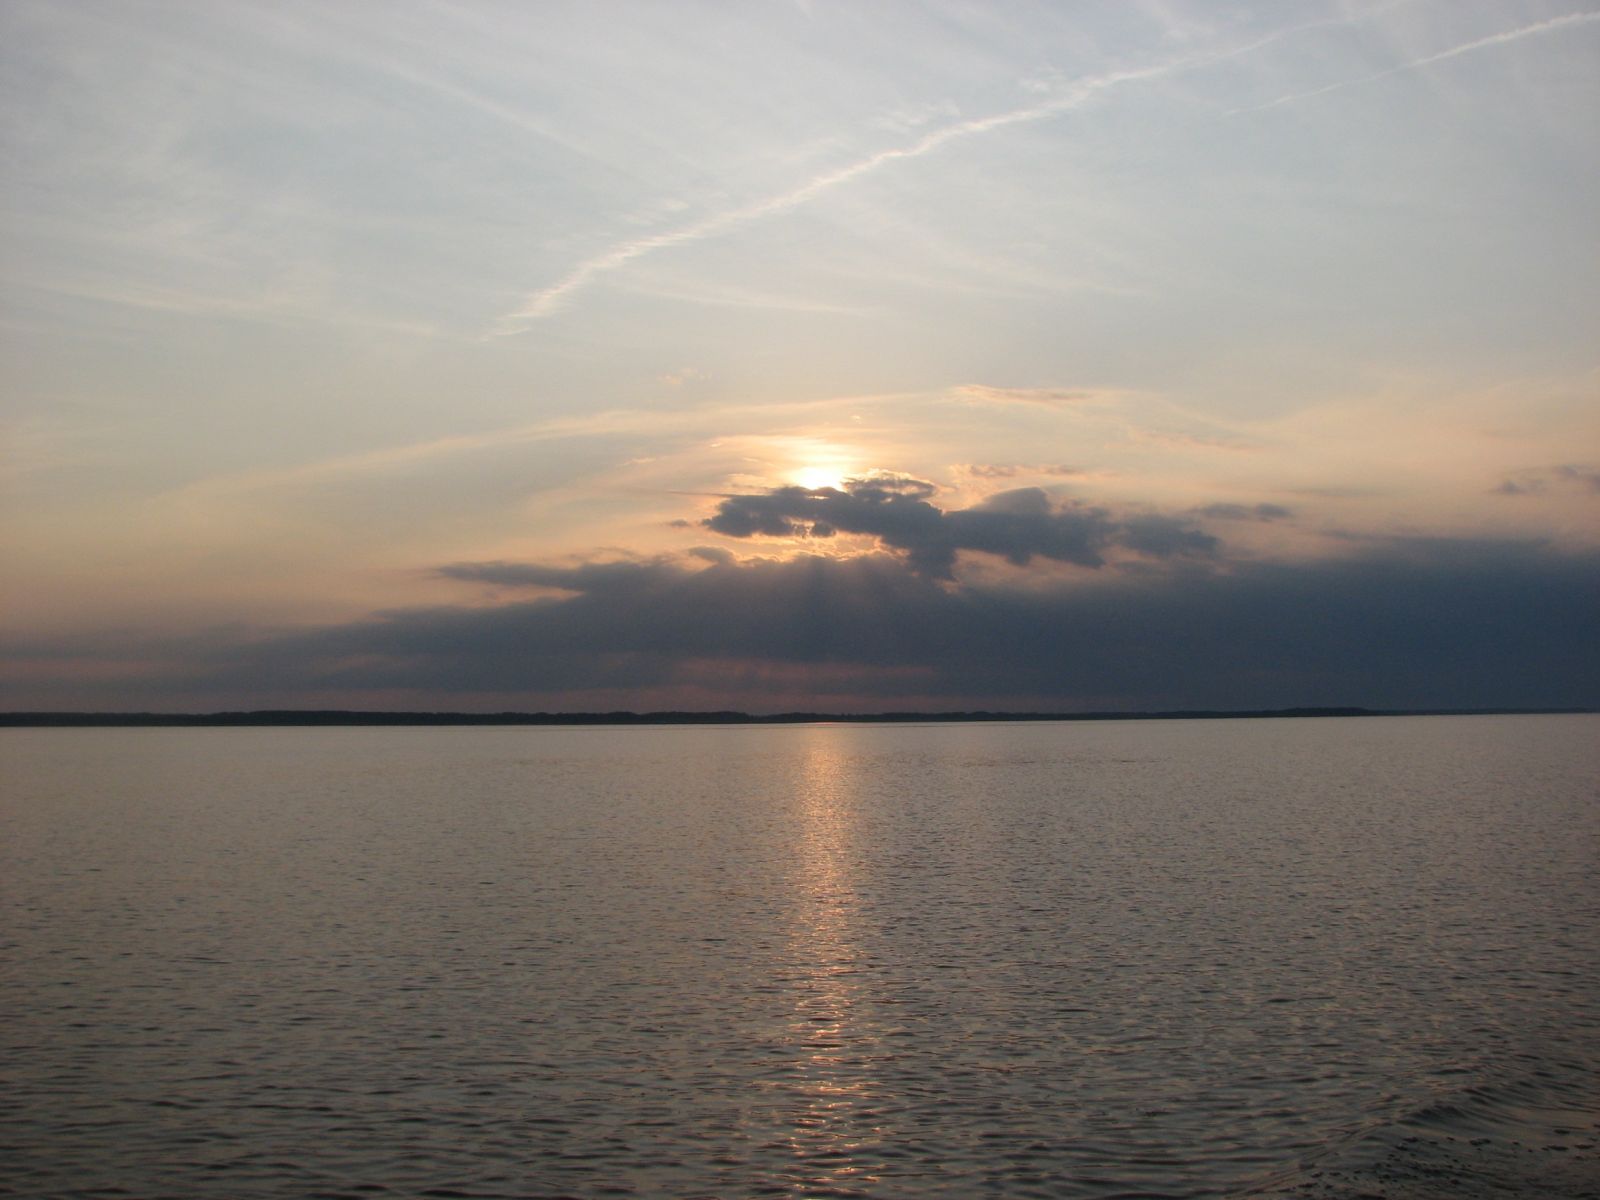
811	461
820	475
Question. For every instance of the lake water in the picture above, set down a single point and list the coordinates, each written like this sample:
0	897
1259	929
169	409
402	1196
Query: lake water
1204	958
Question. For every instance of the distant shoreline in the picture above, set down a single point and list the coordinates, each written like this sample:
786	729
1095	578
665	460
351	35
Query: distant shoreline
337	717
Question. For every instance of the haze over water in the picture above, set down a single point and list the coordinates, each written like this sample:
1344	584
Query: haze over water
1134	958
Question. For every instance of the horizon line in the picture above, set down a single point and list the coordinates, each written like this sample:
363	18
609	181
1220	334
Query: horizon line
289	718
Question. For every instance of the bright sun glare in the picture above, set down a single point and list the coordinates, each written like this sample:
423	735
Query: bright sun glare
818	476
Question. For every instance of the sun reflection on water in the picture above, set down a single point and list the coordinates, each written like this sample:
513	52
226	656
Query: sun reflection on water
833	1089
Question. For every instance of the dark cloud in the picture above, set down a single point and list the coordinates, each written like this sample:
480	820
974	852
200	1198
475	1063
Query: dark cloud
1538	480
1244	512
1017	525
1166	537
1446	623
1427	623
1587	478
572	579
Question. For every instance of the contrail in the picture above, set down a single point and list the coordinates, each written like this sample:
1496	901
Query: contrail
1494	39
547	300
544	302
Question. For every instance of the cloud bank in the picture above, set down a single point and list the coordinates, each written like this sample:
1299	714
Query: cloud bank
1402	624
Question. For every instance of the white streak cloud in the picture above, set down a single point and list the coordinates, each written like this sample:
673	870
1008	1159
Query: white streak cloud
548	300
1483	43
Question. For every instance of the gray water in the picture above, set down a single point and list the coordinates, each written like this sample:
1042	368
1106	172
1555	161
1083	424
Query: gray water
1287	957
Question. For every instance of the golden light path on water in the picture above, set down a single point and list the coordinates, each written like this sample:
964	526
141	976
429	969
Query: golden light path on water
829	1043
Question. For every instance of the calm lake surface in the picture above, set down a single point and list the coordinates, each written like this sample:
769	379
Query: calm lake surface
1204	958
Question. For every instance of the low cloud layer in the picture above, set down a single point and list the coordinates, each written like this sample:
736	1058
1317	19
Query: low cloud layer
1244	512
1440	623
1018	525
1539	480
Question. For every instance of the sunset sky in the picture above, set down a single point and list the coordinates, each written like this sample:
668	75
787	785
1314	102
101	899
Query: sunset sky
789	354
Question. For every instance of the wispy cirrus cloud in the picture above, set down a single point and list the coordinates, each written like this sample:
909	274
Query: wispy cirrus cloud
1047	397
1073	95
1013	470
549	299
1505	37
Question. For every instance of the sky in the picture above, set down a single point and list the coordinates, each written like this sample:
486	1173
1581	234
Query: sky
799	355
